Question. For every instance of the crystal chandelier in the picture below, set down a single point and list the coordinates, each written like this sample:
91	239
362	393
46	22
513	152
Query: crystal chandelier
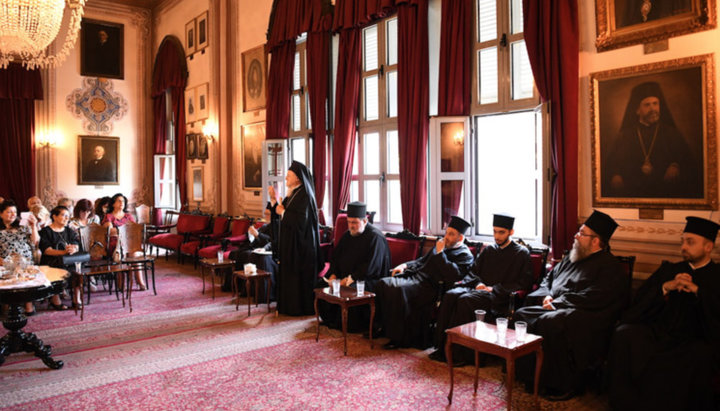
28	27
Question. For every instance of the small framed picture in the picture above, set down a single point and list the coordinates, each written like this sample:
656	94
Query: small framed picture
202	153
191	146
101	49
253	136
254	63
190	106
98	159
197	183
202	101
202	31
190	41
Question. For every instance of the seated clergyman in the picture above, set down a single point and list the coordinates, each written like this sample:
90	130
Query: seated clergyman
500	269
362	254
579	302
667	348
406	300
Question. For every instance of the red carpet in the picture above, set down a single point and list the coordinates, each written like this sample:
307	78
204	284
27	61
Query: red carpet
182	350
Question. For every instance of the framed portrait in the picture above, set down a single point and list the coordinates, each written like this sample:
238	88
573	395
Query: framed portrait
202	101
191	146
203	147
253	136
98	159
197	183
101	49
622	23
654	135
254	66
190	105
202	31
190	41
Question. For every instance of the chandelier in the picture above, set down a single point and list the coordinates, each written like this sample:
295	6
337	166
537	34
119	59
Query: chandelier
28	27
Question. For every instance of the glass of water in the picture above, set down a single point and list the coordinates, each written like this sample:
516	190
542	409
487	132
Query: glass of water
360	286
520	330
221	256
336	287
501	324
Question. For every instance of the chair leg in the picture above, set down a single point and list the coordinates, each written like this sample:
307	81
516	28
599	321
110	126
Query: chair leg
153	277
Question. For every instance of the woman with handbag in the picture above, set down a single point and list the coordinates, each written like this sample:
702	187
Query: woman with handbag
58	240
17	239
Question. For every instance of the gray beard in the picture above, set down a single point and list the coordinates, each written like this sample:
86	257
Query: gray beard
578	253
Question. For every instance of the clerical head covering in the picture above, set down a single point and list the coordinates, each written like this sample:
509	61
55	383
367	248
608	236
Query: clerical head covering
268	206
640	93
356	209
459	224
306	180
603	225
503	220
702	227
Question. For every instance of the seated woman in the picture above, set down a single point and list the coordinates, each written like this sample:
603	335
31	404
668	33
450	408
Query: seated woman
57	240
17	239
116	217
42	215
102	205
83	215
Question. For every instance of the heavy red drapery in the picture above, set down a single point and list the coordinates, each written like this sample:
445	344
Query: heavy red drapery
551	36
347	102
413	109
170	72
279	84
18	90
318	76
291	18
455	65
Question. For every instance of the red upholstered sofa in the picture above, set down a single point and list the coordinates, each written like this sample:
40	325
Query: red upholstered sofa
187	224
404	246
197	241
238	234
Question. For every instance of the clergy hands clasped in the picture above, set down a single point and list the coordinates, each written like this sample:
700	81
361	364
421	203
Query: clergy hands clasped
682	282
547	303
483	287
398	270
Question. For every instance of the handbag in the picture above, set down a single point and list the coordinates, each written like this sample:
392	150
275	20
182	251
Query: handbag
79	257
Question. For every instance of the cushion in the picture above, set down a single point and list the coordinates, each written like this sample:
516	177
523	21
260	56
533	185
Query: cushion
212	250
190	247
402	251
188	223
170	241
239	227
219	226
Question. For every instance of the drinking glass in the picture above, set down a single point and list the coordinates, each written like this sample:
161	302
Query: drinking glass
520	330
221	256
78	267
501	324
336	287
479	316
360	288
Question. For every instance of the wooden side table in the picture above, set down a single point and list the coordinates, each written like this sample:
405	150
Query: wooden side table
484	338
214	265
348	298
252	278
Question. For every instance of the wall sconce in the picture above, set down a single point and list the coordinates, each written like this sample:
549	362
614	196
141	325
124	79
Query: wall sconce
49	139
459	138
210	130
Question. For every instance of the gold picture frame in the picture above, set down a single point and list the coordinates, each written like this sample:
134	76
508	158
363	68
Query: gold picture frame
622	23
98	160
254	69
203	31
661	157
190	37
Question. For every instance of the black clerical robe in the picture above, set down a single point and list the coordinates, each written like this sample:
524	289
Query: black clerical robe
506	270
588	296
244	255
406	301
366	257
299	253
667	348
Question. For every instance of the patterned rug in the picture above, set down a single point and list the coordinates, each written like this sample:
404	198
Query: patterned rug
182	350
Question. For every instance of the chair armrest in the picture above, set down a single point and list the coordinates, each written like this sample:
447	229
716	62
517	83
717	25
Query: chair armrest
237	239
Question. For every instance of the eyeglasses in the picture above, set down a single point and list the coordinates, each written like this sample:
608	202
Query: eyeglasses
581	234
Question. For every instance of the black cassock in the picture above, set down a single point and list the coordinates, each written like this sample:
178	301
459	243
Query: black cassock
367	258
406	301
244	255
504	269
588	296
299	253
667	347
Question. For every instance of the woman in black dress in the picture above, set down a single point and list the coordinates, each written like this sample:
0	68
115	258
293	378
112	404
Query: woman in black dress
298	243
57	240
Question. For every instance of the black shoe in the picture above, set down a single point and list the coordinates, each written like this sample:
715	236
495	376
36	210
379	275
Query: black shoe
557	395
391	345
437	355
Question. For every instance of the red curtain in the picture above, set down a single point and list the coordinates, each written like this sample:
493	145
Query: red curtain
279	84
318	64
413	110
456	30
358	13
347	102
551	36
170	71
18	90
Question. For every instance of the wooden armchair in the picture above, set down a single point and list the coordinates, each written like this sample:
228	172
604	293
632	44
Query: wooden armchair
131	239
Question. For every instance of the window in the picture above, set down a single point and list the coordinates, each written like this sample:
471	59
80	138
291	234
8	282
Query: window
494	163
376	173
300	124
166	185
